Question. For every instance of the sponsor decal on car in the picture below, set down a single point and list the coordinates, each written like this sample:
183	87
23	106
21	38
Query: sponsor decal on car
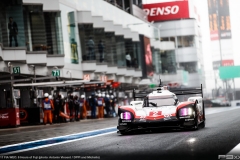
126	121
184	117
139	103
155	113
123	124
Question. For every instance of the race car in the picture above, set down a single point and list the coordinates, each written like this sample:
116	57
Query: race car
162	109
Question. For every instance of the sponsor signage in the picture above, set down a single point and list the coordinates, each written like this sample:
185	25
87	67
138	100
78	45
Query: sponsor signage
104	78
148	57
219	15
217	64
86	77
167	11
228	62
4	116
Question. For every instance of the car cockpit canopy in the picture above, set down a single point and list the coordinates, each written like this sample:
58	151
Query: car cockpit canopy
161	97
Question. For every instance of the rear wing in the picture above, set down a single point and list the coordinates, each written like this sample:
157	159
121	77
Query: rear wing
178	91
185	91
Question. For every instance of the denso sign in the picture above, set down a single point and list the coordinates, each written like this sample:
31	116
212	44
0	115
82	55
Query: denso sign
162	11
167	11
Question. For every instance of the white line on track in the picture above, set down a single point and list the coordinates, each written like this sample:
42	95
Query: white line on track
49	145
236	149
57	137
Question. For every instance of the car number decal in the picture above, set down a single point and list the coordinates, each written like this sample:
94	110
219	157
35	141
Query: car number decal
155	113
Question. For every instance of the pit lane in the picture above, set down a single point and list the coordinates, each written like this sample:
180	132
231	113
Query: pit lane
218	138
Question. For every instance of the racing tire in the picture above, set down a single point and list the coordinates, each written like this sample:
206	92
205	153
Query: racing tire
123	132
203	124
195	126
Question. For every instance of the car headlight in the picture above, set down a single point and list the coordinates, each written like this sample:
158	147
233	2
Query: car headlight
126	115
185	112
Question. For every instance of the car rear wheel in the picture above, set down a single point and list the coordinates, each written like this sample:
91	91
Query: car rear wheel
203	124
195	126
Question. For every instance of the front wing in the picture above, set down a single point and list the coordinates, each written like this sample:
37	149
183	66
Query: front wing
170	122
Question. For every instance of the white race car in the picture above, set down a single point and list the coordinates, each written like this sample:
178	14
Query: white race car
161	108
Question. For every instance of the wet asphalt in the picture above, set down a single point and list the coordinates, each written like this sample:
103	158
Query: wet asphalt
220	135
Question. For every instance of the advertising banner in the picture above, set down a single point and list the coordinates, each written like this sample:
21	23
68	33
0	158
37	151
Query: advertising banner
148	56
167	11
219	14
228	62
217	64
9	117
72	38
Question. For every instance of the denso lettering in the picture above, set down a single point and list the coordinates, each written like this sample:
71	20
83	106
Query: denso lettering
4	116
162	11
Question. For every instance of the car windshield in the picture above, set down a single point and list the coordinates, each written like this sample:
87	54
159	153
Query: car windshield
158	102
216	100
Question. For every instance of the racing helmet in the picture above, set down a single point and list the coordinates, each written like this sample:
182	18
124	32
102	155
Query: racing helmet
46	95
113	96
82	96
50	97
100	95
62	96
108	96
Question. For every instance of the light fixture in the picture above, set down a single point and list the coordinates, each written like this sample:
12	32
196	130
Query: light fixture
70	74
55	67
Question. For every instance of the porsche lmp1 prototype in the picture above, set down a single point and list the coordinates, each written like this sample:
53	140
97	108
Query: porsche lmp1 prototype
160	109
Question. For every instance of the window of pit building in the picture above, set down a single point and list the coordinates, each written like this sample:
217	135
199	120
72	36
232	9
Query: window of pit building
190	67
138	3
136	61
157	63
11	31
186	41
110	50
120	50
43	30
86	35
101	46
168	61
171	39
